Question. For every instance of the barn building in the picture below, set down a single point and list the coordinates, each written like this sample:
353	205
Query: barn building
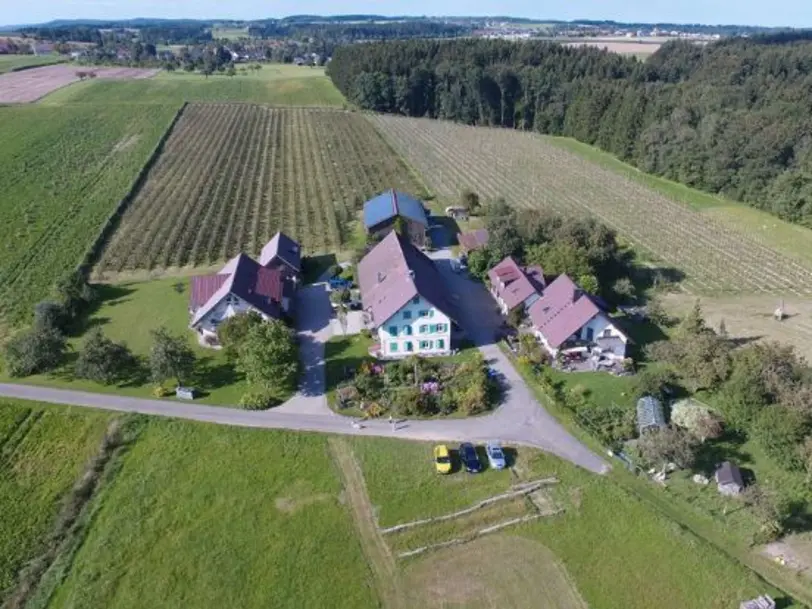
382	213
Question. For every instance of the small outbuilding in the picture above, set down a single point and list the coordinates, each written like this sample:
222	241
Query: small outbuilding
650	415
473	240
382	212
762	602
729	479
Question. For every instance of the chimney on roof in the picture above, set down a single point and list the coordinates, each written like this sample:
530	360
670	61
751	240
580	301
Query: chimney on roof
411	274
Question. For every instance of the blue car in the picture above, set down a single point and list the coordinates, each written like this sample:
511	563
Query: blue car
470	460
337	283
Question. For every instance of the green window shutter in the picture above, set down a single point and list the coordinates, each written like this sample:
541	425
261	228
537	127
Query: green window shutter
393	347
441	344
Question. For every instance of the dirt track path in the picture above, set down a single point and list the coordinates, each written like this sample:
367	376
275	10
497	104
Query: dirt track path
376	551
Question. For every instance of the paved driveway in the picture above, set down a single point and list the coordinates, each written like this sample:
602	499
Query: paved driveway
519	420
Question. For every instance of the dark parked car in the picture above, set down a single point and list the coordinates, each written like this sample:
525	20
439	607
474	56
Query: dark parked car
469	458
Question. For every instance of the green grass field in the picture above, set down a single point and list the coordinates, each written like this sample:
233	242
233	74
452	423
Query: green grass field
128	312
282	85
64	172
9	63
42	452
204	516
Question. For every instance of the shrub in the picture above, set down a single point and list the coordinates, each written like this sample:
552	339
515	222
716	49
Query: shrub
52	315
34	351
159	391
103	360
257	400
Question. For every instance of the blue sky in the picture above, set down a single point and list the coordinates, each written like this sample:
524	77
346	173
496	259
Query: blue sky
796	13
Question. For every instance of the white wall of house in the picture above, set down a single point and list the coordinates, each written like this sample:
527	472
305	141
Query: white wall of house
418	328
598	326
229	306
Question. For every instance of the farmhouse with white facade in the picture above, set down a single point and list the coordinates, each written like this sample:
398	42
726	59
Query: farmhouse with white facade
244	285
405	300
567	317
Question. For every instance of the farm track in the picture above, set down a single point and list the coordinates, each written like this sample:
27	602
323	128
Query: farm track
231	175
529	173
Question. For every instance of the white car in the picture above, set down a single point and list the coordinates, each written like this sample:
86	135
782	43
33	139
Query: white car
496	456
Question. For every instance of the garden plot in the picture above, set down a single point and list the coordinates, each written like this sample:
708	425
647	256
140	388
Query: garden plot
231	175
529	172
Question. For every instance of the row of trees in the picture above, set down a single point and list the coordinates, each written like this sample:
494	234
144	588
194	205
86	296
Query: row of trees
584	249
731	118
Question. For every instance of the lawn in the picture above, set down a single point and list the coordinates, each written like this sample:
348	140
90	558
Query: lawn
403	485
204	516
273	84
64	172
43	451
619	552
10	63
128	312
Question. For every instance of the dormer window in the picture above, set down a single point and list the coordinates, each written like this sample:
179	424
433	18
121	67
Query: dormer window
232	300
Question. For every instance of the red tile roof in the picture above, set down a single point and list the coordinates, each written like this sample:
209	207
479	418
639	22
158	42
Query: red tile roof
563	309
513	284
473	240
393	273
244	277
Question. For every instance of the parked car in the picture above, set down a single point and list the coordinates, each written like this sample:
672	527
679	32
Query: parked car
442	459
496	456
469	458
338	283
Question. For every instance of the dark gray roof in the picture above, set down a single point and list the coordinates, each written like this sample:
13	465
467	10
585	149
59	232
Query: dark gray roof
393	273
285	249
390	204
729	473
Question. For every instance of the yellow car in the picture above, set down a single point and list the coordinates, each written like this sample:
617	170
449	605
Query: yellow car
442	459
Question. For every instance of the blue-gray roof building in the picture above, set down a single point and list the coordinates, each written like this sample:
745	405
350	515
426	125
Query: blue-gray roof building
381	212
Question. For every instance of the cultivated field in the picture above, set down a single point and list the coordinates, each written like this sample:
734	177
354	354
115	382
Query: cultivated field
624	46
42	452
9	63
281	85
233	174
64	172
529	172
29	85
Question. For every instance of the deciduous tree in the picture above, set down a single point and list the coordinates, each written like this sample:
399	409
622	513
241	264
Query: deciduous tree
103	360
268	356
170	357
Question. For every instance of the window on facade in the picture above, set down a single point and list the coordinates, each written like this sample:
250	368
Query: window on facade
231	299
425	344
423	329
441	344
393	347
409	347
407	315
407	330
416	300
393	330
423	313
607	333
441	327
590	334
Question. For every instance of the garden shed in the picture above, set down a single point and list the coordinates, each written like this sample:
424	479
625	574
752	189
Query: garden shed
729	479
650	415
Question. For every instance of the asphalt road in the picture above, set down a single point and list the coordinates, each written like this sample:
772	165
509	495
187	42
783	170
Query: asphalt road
520	419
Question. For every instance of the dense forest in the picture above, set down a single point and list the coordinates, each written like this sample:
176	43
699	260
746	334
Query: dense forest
731	118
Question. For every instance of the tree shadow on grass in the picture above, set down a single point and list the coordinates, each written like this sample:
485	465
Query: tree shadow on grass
713	453
314	266
106	295
211	374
